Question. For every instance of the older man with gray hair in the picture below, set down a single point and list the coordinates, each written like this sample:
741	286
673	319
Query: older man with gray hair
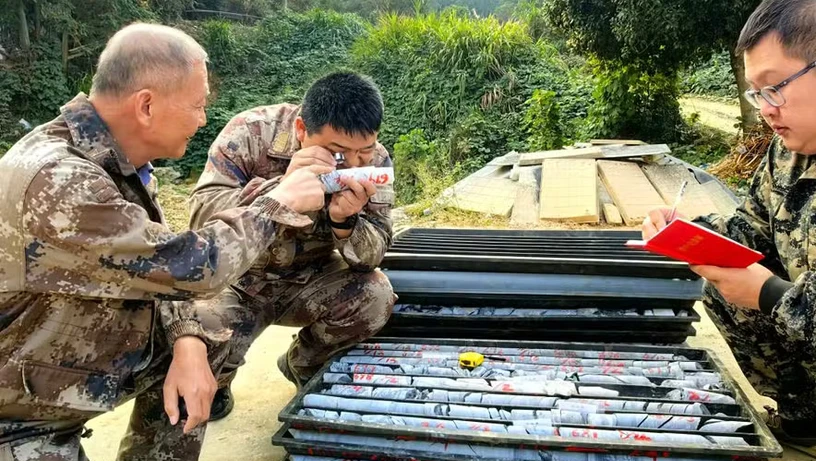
94	288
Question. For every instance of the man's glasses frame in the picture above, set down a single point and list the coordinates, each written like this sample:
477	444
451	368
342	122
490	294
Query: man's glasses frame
773	94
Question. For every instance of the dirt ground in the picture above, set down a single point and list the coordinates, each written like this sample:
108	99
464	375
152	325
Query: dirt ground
722	115
261	392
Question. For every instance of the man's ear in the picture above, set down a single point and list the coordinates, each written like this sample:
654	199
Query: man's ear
144	100
300	129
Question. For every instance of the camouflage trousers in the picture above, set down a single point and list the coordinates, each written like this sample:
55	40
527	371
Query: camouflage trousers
775	365
336	308
149	434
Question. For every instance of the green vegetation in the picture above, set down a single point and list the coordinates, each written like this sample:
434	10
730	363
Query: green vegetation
268	63
467	85
711	78
464	81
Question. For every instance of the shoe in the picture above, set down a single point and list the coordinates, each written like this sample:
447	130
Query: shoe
222	404
289	373
805	445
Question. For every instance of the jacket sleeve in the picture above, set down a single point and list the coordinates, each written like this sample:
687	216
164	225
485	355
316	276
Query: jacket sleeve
750	224
791	304
226	181
85	239
371	237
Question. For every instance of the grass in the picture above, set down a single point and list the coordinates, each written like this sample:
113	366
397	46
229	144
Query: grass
173	199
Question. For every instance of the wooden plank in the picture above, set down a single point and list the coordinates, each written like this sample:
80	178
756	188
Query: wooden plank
569	190
633	194
525	208
725	203
667	179
635	151
625	142
489	171
610	211
508	159
535	158
611	214
605	152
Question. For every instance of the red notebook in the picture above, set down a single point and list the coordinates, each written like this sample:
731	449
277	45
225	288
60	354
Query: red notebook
697	245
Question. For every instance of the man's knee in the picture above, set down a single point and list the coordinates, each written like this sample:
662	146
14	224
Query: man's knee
379	299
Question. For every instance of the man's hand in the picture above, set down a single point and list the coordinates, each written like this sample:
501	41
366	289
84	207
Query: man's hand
740	287
351	201
657	219
311	156
302	191
190	377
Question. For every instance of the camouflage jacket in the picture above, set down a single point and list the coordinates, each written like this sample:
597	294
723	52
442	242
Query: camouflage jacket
778	218
252	154
87	266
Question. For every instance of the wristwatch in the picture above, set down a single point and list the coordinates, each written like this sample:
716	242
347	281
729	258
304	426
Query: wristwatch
347	224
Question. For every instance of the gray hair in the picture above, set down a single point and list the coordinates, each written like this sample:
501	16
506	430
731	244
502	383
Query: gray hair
793	20
146	56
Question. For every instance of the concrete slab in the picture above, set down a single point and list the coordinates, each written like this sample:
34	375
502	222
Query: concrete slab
603	194
667	180
725	203
525	208
514	173
489	195
569	190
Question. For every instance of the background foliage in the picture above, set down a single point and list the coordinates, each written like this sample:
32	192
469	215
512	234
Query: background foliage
463	81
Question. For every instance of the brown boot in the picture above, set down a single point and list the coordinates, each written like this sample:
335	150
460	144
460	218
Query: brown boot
794	435
222	404
286	369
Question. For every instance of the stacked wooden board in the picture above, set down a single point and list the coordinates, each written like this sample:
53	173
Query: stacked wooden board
400	399
604	181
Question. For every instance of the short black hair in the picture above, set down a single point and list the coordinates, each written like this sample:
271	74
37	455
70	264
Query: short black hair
793	20
345	101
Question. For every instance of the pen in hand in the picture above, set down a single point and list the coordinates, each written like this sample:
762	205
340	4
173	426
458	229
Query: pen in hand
673	213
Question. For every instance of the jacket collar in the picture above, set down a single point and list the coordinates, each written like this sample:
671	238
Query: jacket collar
91	135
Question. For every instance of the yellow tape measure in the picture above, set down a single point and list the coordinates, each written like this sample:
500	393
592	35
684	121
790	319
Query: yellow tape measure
472	360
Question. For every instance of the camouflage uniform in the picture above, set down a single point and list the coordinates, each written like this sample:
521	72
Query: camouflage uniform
93	290
775	346
307	277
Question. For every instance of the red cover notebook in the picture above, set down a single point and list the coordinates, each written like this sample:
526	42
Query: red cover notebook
696	245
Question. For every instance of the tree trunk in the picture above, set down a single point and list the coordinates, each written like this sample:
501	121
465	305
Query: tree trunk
25	41
747	111
65	52
285	5
38	32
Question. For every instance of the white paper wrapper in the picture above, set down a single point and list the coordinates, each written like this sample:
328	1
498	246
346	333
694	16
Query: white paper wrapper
377	175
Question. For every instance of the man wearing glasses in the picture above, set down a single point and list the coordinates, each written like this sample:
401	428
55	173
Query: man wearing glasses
322	276
767	312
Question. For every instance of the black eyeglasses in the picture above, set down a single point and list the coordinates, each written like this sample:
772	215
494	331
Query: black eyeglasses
773	94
